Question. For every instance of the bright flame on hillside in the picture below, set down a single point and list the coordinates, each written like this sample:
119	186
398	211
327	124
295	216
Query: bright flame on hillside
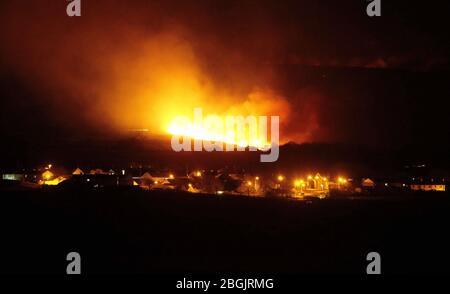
237	131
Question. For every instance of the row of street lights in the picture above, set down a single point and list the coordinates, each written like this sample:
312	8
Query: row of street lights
302	183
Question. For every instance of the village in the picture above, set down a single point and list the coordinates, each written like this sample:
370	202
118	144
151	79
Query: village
217	181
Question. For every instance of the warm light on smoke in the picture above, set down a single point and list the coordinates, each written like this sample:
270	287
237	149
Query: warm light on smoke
145	80
163	80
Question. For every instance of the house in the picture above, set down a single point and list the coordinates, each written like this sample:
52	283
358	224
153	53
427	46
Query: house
97	171
428	187
78	171
12	177
51	179
368	183
148	181
317	186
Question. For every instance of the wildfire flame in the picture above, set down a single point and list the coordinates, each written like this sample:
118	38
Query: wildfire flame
244	139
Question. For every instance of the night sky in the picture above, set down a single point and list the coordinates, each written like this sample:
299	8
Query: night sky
339	75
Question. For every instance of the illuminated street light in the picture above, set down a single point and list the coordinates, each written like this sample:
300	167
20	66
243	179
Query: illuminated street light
249	184
47	175
342	180
198	174
280	178
297	183
309	177
171	176
256	185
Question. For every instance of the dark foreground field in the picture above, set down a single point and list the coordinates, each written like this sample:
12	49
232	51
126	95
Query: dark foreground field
128	231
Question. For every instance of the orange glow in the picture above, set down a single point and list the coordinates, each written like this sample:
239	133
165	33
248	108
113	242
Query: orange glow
342	180
280	178
52	182
155	73
47	175
164	81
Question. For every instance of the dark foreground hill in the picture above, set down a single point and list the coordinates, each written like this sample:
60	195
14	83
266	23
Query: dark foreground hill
131	231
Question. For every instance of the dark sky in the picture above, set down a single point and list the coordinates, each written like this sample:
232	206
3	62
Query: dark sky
341	75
